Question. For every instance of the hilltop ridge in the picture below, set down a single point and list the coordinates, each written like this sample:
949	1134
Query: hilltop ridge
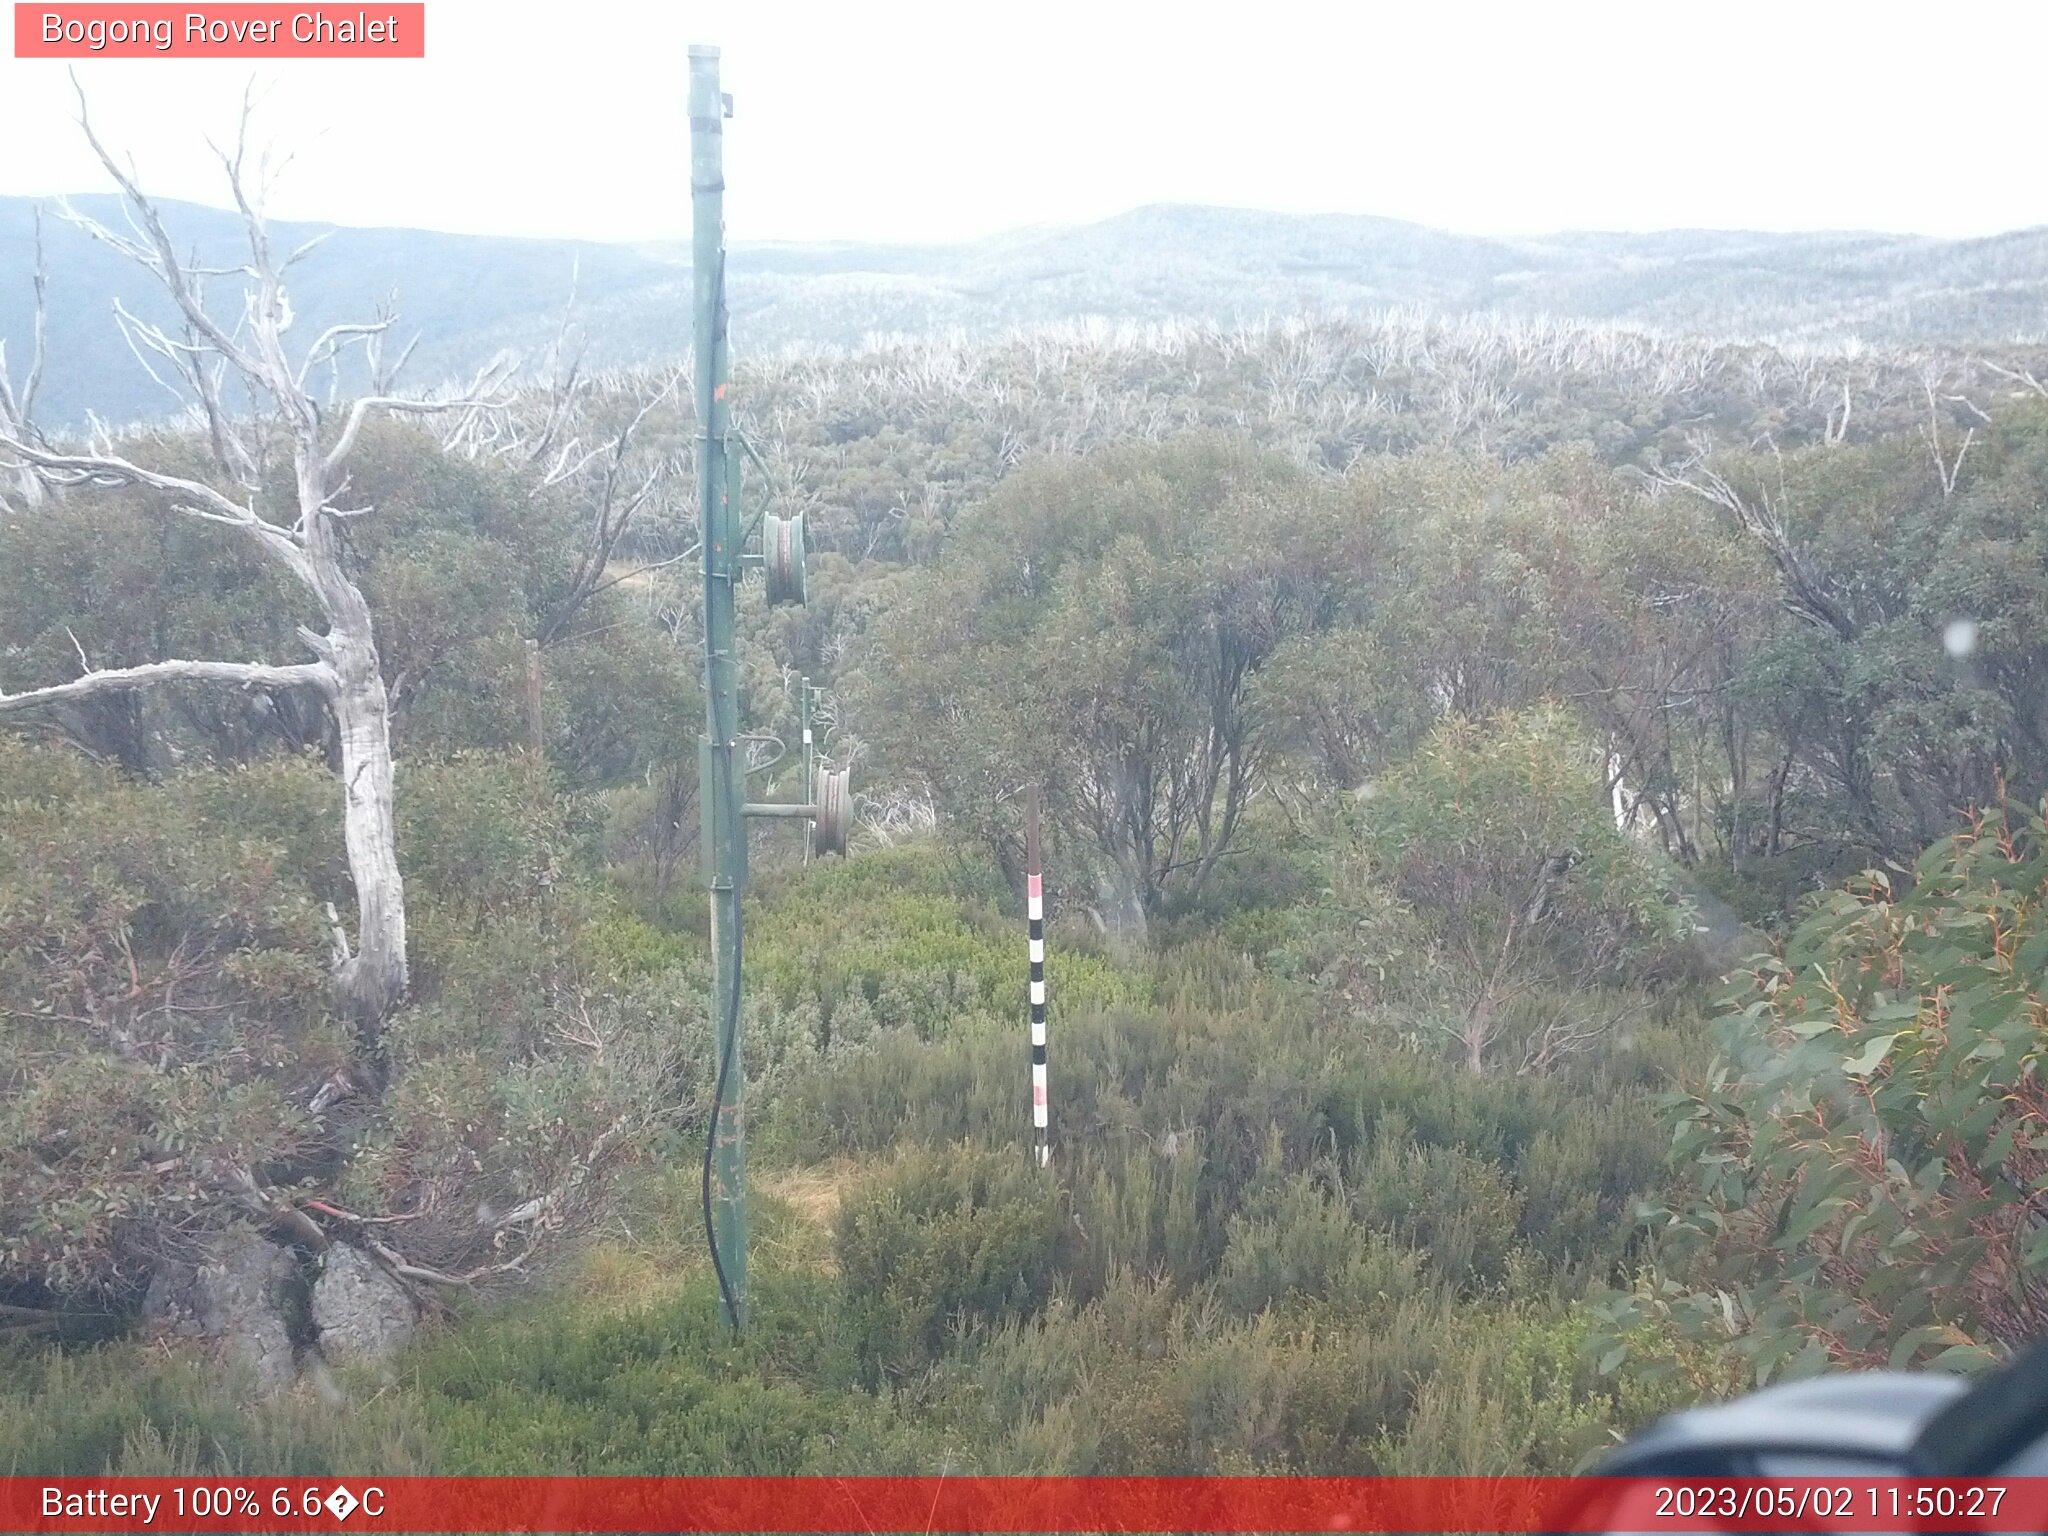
469	295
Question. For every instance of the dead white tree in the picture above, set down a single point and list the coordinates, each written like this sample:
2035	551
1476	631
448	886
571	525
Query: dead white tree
618	493
1947	470
2019	376
1760	515
304	538
18	408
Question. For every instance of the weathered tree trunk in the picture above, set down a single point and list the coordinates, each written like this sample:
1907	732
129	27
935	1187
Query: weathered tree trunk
370	982
1477	1035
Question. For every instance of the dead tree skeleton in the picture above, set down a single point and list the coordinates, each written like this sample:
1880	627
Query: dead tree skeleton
1806	594
18	407
305	539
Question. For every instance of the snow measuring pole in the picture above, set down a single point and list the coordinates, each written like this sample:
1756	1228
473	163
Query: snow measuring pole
722	766
1034	928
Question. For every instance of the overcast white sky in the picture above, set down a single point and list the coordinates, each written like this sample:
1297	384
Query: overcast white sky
946	121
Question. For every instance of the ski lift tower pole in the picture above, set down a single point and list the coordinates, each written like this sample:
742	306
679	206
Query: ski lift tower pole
721	786
722	769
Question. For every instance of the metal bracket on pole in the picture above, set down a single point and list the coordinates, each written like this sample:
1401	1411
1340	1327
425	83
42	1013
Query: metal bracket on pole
773	811
804	718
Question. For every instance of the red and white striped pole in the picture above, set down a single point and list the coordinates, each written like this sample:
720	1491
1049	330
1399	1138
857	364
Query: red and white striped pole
1034	914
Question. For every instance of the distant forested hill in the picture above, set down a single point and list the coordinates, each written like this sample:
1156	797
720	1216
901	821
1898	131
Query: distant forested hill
468	295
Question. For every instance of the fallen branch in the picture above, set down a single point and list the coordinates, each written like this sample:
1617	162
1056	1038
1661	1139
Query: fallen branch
361	1221
34	1315
273	1212
405	1269
544	1210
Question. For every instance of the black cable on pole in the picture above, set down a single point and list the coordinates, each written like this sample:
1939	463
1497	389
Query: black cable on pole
725	1060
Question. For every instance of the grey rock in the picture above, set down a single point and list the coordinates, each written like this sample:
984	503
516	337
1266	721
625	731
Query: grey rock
361	1312
237	1295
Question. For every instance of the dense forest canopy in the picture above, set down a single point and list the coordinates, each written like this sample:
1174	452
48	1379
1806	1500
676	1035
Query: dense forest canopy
1428	716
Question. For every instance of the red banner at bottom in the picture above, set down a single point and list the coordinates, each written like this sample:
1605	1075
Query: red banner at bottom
869	1505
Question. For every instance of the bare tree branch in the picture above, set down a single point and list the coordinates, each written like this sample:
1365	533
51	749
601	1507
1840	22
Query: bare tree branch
1805	594
613	514
158	254
1947	471
336	339
566	369
2018	376
483	392
404	1269
194	498
17	410
244	674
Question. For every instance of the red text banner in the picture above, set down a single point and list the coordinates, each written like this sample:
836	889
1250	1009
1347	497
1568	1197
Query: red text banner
1022	1504
241	31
